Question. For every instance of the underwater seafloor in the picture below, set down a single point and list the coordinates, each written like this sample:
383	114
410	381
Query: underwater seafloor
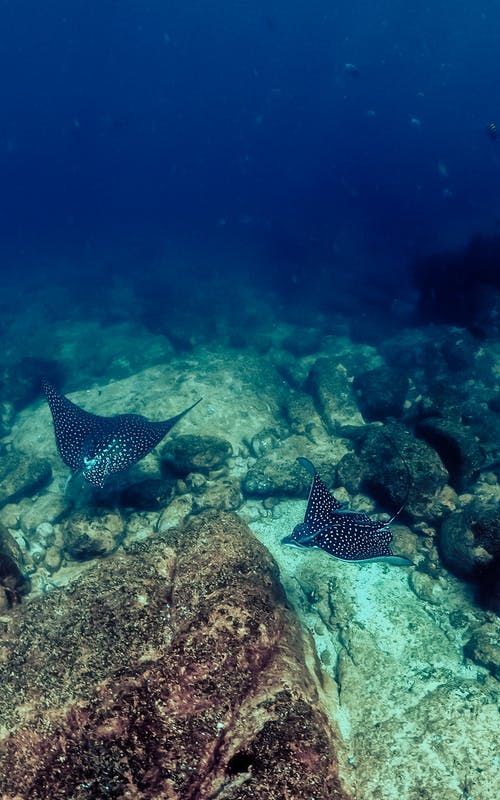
407	659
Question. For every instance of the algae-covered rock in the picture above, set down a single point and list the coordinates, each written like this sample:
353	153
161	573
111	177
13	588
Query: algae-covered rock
7	414
176	513
443	503
186	678
264	442
303	341
484	422
53	558
13	583
279	474
469	540
396	465
46	507
223	494
21	476
333	394
20	382
457	447
42	538
274	477
92	533
184	454
350	473
302	414
381	392
150	494
484	647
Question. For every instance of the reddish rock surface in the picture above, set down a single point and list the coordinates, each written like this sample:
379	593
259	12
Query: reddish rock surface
171	671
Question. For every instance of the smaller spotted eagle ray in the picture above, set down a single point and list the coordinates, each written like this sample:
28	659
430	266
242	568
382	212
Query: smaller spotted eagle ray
98	447
346	535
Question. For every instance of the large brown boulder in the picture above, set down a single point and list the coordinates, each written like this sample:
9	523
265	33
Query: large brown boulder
171	671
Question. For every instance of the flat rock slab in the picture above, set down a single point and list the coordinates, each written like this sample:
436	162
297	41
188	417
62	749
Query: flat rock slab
333	394
21	476
171	671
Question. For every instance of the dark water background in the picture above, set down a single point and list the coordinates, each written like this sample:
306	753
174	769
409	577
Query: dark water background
160	142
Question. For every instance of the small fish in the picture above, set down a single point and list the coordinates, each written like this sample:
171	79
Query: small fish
98	447
346	535
491	130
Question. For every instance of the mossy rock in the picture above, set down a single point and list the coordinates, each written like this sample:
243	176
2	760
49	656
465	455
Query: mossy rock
397	467
329	384
13	583
278	473
184	454
483	648
91	533
457	446
22	476
126	682
469	540
381	393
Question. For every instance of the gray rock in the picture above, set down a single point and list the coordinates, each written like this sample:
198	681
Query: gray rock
184	454
484	423
7	415
150	494
43	538
331	389
92	533
484	649
264	442
220	495
20	383
302	414
53	558
22	476
469	540
47	507
459	350
303	341
13	583
457	447
176	513
279	474
381	393
350	473
383	454
195	483
293	371
274	477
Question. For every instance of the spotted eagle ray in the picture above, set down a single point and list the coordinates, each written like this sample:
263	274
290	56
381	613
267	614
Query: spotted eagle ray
346	535
98	447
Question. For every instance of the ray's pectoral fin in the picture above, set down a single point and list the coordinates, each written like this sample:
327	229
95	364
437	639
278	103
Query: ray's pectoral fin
98	447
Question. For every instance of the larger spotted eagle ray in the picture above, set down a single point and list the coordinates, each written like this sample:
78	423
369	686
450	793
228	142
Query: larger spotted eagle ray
98	447
346	535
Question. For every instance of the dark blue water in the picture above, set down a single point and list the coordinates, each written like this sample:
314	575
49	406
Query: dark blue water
234	133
